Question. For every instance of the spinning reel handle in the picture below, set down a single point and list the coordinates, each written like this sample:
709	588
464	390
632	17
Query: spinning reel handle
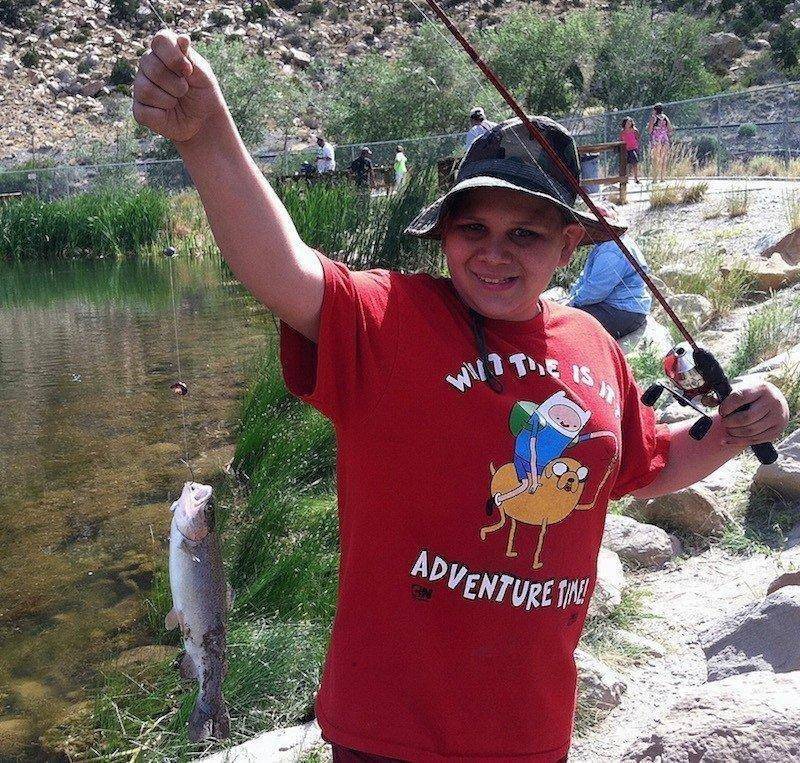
711	371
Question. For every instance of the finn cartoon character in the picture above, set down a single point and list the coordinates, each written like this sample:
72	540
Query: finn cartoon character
553	427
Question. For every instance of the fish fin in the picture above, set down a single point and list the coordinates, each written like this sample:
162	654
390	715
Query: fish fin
172	620
230	595
186	666
174	506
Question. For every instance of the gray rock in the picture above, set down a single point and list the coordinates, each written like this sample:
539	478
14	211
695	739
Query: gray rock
599	686
753	718
762	636
607	594
638	544
721	49
694	309
300	58
784	475
693	509
280	746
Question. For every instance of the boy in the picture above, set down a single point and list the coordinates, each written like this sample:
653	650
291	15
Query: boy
445	646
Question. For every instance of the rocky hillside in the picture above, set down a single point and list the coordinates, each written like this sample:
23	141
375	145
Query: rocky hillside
64	64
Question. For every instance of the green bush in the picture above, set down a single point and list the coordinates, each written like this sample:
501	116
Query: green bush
124	10
786	45
122	73
539	58
747	130
643	59
30	58
17	13
707	148
256	10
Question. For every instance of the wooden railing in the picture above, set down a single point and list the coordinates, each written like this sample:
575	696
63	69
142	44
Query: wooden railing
622	179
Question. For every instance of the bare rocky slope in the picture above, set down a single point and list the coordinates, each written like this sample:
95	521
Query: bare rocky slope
56	60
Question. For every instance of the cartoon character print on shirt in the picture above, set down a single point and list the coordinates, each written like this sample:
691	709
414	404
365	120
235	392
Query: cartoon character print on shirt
541	486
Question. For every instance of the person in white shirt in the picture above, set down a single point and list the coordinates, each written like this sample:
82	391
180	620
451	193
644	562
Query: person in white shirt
480	126
326	160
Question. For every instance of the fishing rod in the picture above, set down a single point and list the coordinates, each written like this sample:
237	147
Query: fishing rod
693	370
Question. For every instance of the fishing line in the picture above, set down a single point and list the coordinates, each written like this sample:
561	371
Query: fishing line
179	387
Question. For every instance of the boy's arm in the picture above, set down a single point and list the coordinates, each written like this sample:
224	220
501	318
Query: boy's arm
177	95
731	432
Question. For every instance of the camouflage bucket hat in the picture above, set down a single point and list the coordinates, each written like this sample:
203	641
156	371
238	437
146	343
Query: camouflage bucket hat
508	157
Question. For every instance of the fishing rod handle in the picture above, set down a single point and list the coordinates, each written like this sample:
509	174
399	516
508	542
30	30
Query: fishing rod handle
711	370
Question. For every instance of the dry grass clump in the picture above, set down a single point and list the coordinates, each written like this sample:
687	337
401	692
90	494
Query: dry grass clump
793	168
791	207
766	166
736	203
670	195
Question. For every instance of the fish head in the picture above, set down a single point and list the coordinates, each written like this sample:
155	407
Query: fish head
193	512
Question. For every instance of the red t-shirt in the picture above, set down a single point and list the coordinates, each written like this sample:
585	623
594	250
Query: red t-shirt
444	646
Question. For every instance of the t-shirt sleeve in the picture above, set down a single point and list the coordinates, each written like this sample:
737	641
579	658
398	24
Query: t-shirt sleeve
343	373
644	450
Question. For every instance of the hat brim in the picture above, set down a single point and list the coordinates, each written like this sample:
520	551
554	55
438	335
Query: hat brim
427	224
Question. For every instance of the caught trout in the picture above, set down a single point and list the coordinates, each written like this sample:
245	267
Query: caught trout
200	602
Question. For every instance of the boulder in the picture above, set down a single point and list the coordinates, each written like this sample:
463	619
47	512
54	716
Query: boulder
762	636
599	686
610	584
695	310
770	273
300	58
721	48
693	509
280	746
638	544
784	475
786	243
753	717
787	579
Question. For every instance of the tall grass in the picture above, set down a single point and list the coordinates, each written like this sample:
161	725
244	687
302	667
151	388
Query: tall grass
361	230
791	208
769	332
106	222
736	203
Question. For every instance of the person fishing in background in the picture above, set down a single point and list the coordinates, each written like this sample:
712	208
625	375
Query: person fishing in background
609	289
629	135
326	157
362	170
422	660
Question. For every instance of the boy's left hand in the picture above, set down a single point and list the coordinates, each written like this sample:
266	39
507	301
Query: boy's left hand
763	421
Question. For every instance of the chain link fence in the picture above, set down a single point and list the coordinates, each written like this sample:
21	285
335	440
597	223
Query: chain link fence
728	128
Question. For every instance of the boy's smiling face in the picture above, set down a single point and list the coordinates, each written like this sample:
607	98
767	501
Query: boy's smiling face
502	247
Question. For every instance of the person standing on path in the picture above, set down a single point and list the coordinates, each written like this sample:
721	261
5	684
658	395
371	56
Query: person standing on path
362	170
660	129
400	168
629	135
326	157
440	628
480	126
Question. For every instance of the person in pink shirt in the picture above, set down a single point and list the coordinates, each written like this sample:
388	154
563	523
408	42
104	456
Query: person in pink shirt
630	137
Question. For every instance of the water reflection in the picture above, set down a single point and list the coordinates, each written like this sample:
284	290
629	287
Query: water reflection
90	457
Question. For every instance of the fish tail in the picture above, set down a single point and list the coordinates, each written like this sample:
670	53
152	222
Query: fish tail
205	723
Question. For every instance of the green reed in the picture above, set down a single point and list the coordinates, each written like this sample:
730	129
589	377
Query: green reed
108	222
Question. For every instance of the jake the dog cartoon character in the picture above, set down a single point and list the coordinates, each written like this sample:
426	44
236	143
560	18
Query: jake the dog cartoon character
542	487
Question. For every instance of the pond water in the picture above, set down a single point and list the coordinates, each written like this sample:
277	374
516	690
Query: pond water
91	443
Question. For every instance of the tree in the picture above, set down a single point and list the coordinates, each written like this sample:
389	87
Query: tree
644	59
541	59
428	90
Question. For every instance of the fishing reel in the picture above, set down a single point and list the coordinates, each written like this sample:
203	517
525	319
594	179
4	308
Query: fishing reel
695	377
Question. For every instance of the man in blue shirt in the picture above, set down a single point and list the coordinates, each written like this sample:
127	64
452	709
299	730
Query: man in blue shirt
610	290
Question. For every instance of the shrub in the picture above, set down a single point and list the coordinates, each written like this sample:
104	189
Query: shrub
736	203
664	196
122	73
747	130
706	148
785	45
693	193
256	10
286	5
124	10
767	334
317	9
644	59
765	166
17	13
30	58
